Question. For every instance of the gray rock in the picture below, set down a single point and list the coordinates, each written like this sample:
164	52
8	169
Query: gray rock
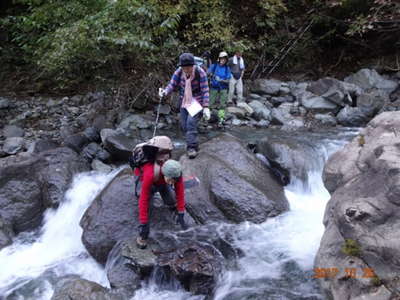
285	89
97	165
13	145
371	103
246	107
127	264
31	183
134	122
52	103
6	234
105	133
93	134
364	181
316	103
77	142
254	96
13	131
120	146
231	192
352	116
266	87
260	110
237	111
276	101
326	119
73	287
370	79
4	103
43	145
294	125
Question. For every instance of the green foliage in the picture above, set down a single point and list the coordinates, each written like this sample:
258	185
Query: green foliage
78	40
351	248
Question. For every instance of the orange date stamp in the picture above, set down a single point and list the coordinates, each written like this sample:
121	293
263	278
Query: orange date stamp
347	272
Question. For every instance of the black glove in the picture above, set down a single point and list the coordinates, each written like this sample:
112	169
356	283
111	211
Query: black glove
181	221
144	230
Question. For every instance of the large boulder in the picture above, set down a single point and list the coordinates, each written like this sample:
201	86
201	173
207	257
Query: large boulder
261	112
112	216
266	86
317	103
362	216
6	234
352	116
370	79
120	146
194	257
371	103
234	185
335	91
31	183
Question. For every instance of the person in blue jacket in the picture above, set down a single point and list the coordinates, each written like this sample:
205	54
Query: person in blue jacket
220	74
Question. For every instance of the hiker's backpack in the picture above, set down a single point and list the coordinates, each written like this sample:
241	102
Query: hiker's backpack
138	157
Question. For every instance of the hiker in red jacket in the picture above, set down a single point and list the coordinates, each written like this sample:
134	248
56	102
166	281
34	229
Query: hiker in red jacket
157	175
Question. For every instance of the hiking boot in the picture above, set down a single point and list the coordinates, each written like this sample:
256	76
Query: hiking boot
192	153
141	243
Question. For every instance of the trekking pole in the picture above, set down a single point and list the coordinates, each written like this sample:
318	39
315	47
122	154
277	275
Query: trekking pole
157	117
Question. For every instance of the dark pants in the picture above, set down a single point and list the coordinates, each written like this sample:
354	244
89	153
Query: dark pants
165	190
189	128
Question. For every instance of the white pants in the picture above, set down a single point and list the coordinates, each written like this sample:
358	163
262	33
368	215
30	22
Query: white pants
238	84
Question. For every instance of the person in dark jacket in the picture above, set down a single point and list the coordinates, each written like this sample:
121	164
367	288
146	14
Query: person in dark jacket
157	175
192	83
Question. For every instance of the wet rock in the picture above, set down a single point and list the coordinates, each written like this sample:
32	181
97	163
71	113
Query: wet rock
362	214
352	116
370	79
196	266
13	131
97	165
30	183
231	192
127	265
13	145
74	288
6	234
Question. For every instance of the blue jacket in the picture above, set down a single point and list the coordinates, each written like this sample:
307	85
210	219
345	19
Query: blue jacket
223	72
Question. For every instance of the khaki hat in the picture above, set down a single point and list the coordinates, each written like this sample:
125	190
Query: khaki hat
161	142
172	169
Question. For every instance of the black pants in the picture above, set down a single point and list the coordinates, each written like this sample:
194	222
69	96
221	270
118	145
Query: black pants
165	190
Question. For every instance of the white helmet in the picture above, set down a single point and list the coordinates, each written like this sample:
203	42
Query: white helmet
222	54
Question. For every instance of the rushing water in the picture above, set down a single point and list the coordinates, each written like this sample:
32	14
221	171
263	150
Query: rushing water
278	254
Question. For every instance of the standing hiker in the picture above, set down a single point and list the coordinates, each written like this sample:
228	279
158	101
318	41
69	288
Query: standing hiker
155	171
220	75
191	80
236	64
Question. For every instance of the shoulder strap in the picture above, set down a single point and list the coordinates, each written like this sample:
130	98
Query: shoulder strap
157	172
197	74
214	68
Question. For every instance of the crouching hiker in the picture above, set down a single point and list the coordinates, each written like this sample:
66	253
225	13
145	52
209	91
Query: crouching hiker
192	82
156	172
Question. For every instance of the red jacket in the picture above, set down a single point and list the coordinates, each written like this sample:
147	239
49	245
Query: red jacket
147	178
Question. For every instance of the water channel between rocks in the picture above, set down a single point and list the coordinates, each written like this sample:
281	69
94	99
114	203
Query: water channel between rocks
279	253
